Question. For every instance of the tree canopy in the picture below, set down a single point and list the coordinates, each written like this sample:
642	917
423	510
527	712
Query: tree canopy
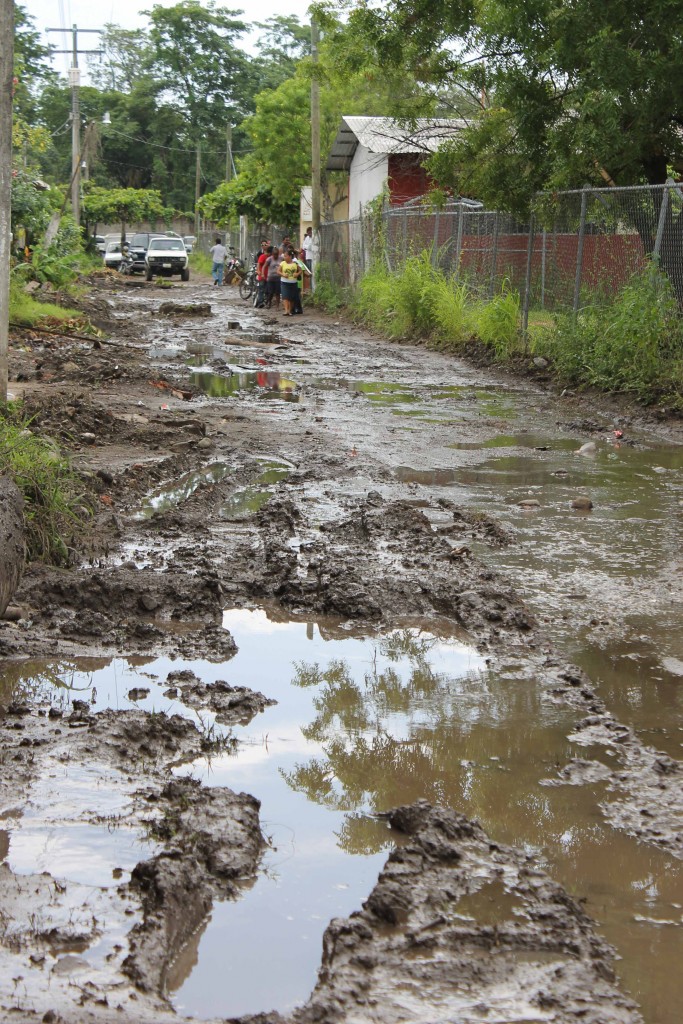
567	93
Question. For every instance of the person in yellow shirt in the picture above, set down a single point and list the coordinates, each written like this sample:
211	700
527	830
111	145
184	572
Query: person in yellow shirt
290	272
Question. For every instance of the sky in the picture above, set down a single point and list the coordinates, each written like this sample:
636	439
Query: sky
126	14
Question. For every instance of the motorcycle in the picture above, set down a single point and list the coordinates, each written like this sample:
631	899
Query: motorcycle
127	260
248	283
234	268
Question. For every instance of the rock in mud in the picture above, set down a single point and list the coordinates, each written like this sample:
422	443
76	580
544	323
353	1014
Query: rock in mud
11	540
582	503
184	309
461	928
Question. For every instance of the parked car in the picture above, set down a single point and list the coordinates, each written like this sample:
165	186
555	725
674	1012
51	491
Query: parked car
112	255
100	243
165	257
189	241
138	246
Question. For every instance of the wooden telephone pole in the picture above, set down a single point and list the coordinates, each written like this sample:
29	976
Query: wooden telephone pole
6	90
75	86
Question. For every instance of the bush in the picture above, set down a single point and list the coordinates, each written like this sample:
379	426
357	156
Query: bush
53	504
420	301
634	345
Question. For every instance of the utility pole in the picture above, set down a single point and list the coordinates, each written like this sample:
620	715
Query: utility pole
315	131
228	153
197	188
315	154
74	85
6	90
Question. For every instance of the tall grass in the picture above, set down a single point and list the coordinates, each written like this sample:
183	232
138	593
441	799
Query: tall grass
201	262
632	345
53	504
420	301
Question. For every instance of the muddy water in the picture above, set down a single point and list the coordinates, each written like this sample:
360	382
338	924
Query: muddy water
364	724
607	588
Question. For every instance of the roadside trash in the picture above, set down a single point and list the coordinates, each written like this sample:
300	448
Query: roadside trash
163	385
589	448
164	406
353	453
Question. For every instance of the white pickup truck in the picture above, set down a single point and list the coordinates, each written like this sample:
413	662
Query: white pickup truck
165	257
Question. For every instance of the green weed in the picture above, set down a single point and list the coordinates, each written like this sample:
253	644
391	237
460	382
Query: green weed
25	310
53	504
201	262
633	345
497	322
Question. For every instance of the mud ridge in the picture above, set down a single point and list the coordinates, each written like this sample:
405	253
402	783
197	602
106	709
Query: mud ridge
461	928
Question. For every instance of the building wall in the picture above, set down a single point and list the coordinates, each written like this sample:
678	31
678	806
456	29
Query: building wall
407	178
337	198
367	178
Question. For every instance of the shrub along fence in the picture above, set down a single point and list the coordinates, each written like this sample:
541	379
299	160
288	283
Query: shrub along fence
576	247
593	281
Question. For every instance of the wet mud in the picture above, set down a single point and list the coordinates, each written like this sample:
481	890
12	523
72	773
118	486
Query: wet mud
325	500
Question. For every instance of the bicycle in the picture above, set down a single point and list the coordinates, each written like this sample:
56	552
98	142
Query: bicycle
248	282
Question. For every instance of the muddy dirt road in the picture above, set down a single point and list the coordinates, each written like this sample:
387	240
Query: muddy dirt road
327	578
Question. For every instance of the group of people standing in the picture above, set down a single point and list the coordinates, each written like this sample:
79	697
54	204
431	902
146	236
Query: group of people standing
281	272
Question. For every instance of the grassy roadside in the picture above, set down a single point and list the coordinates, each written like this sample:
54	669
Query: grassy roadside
630	344
54	506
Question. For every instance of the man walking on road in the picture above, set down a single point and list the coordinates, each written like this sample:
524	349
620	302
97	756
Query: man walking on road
218	254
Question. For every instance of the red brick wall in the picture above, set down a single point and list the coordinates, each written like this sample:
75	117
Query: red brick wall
407	178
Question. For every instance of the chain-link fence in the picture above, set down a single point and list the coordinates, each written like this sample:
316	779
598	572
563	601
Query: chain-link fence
577	248
245	241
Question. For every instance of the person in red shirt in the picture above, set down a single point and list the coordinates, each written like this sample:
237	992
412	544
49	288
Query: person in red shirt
261	276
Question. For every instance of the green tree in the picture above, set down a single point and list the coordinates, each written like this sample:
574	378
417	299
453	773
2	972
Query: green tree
127	205
270	177
194	58
126	54
570	92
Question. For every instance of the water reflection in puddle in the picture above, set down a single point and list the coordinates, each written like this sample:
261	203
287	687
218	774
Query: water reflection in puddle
172	494
366	722
265	383
248	500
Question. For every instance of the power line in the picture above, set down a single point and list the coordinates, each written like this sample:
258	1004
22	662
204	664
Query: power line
173	149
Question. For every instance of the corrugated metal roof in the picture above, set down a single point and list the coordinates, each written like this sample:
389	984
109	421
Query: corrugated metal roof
385	135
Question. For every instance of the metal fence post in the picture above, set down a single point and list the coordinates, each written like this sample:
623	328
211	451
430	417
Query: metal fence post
543	263
458	242
363	263
579	251
435	243
405	233
385	222
527	281
494	256
663	209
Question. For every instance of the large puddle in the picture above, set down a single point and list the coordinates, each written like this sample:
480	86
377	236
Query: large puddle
364	722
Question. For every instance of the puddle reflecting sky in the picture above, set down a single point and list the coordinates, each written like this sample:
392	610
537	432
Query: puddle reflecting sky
363	723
